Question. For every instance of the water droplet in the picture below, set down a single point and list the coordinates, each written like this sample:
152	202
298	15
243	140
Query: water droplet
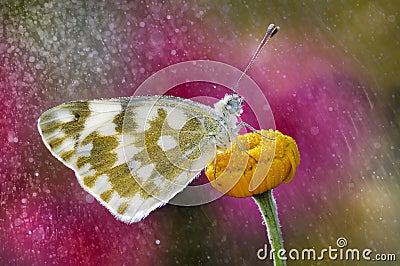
18	222
89	199
314	130
38	234
377	145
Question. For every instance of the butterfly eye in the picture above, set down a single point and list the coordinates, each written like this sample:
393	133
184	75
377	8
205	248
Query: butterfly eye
234	104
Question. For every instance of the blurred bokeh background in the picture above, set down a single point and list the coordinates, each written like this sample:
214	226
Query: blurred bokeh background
331	76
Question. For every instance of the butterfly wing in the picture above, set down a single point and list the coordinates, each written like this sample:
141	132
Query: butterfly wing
132	154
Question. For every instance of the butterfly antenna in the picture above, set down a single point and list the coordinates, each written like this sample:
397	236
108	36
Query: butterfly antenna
271	31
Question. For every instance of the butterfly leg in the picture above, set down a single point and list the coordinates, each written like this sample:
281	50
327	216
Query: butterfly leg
243	149
215	160
244	124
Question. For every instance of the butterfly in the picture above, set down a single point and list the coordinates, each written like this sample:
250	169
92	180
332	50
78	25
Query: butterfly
134	154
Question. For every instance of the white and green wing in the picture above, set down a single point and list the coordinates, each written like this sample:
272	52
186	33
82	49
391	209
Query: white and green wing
132	154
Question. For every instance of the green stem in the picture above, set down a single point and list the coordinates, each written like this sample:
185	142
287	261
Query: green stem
267	205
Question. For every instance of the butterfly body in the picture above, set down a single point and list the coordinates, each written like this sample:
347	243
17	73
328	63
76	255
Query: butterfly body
134	154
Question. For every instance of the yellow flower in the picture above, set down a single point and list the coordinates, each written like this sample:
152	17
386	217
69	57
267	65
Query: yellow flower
272	160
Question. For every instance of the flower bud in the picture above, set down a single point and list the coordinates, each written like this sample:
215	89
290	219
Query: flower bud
261	162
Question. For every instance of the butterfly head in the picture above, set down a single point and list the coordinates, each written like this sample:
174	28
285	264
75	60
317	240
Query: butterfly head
230	105
234	104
